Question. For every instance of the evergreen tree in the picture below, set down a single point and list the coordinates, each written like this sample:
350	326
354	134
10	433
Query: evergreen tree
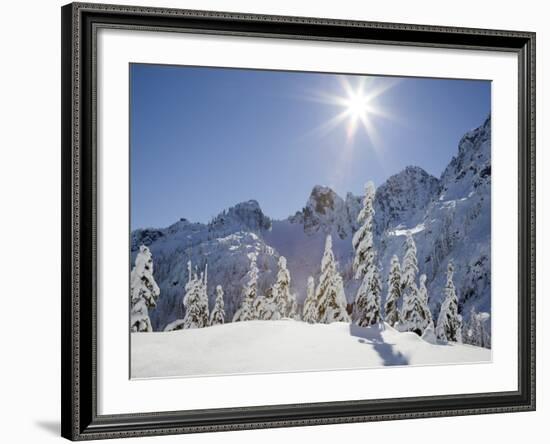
195	300
367	300
449	322
423	290
281	289
362	240
310	311
204	297
265	307
246	312
331	300
292	307
144	291
217	316
139	317
259	308
476	331
410	264
394	292
415	314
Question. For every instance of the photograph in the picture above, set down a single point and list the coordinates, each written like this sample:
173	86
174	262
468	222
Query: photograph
292	221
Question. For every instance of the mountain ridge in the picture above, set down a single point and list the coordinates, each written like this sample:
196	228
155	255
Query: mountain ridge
444	214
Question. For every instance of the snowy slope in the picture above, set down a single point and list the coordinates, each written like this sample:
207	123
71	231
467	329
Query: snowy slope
454	225
400	202
224	245
284	346
304	251
449	218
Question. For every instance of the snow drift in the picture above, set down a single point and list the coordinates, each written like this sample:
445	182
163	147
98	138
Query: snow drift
287	346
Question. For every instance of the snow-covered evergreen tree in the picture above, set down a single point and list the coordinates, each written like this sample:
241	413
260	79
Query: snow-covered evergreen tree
246	311
409	269
367	300
192	302
394	292
204	295
139	317
195	300
423	291
292	307
331	300
476	330
281	289
259	308
362	240
265	307
415	313
310	311
217	316
449	322
144	291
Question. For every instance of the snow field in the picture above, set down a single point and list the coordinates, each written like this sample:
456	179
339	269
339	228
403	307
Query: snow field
287	346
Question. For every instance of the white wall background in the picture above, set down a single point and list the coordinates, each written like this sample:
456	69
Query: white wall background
30	217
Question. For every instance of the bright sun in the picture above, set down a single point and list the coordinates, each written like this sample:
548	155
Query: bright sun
357	107
358	104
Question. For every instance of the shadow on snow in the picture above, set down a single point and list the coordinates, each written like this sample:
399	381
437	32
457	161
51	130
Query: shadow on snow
372	336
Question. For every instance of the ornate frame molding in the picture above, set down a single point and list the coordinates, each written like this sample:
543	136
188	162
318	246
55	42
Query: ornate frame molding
80	22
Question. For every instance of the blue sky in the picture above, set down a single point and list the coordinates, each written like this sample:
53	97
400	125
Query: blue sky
204	139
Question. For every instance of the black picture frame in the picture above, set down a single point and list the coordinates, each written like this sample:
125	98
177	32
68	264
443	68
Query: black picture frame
80	420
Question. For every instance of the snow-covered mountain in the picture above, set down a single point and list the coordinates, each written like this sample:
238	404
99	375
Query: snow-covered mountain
224	244
453	224
450	218
404	198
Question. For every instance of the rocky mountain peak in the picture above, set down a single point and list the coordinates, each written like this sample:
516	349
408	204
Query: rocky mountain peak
323	199
326	212
403	196
471	167
246	216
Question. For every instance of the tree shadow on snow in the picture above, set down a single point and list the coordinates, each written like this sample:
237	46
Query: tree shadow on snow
373	337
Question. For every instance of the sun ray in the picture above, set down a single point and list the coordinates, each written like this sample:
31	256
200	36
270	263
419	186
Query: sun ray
328	126
358	110
359	103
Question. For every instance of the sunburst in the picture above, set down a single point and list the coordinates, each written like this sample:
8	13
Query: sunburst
359	107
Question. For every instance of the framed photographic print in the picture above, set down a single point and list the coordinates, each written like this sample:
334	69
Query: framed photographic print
280	221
